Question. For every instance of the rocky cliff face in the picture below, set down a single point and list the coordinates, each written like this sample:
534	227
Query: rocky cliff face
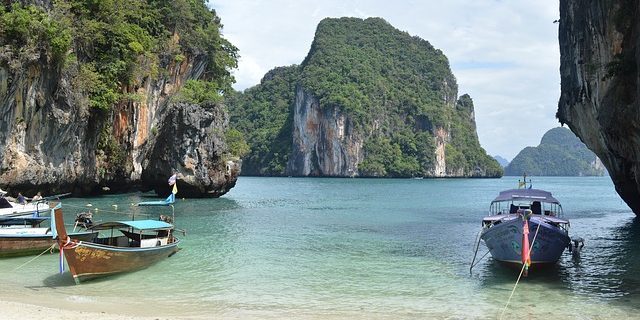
600	61
189	142
49	137
45	133
324	142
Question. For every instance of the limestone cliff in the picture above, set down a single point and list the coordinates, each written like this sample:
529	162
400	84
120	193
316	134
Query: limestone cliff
189	142
49	136
324	142
600	83
70	126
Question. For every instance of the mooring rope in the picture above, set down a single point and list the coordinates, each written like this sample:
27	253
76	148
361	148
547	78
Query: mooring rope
104	210
521	271
477	262
43	252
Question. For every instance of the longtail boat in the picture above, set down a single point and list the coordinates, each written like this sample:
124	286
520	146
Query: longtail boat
20	236
525	227
10	208
129	246
13	209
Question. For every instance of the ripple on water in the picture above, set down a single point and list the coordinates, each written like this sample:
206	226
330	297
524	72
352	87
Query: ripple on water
361	248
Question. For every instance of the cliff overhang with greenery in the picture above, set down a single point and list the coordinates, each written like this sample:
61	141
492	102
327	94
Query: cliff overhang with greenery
85	87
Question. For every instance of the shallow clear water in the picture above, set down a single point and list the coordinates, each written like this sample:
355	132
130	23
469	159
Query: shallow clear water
363	248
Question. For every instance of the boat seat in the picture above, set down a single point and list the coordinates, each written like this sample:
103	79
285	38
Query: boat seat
536	208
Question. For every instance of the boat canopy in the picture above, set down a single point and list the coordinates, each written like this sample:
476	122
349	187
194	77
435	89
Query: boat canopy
136	224
526	195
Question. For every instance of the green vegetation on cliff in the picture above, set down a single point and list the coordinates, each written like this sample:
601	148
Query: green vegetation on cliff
560	153
108	50
464	153
367	67
263	113
112	46
396	90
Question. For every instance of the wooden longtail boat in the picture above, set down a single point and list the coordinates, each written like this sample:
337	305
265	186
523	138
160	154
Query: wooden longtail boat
25	236
525	228
131	245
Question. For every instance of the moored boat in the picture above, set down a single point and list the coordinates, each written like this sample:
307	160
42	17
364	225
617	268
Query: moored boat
129	246
525	227
13	209
21	236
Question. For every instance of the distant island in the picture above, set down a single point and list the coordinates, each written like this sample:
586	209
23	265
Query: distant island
368	100
560	153
502	161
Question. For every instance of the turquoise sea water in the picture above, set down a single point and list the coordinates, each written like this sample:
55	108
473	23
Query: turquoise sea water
358	248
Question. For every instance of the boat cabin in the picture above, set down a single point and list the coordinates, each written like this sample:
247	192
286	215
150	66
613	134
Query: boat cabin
137	234
540	202
509	204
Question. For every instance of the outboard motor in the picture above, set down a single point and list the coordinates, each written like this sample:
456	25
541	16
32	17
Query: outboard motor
166	218
84	220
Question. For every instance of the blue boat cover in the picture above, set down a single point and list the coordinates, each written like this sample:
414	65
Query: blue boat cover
169	200
526	195
136	224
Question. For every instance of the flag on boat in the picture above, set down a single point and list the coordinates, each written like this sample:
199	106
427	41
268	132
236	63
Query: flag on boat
521	184
175	189
172	179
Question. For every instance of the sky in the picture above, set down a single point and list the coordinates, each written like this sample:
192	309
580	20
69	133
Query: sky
503	53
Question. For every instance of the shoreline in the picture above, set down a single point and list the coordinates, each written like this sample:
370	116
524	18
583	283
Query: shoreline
25	311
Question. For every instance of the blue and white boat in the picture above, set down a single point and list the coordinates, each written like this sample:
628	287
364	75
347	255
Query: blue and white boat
525	227
16	210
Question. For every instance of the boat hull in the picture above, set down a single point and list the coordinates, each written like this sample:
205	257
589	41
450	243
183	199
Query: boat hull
90	260
27	244
504	241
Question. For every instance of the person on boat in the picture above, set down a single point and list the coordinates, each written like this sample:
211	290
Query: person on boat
37	197
21	199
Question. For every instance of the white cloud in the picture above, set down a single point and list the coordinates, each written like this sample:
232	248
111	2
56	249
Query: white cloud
503	53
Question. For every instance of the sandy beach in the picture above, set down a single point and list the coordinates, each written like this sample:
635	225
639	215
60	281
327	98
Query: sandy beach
15	310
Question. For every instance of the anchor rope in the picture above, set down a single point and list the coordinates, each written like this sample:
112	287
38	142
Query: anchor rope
484	255
520	275
50	249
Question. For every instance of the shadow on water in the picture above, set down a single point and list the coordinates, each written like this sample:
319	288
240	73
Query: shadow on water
65	279
57	280
610	266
